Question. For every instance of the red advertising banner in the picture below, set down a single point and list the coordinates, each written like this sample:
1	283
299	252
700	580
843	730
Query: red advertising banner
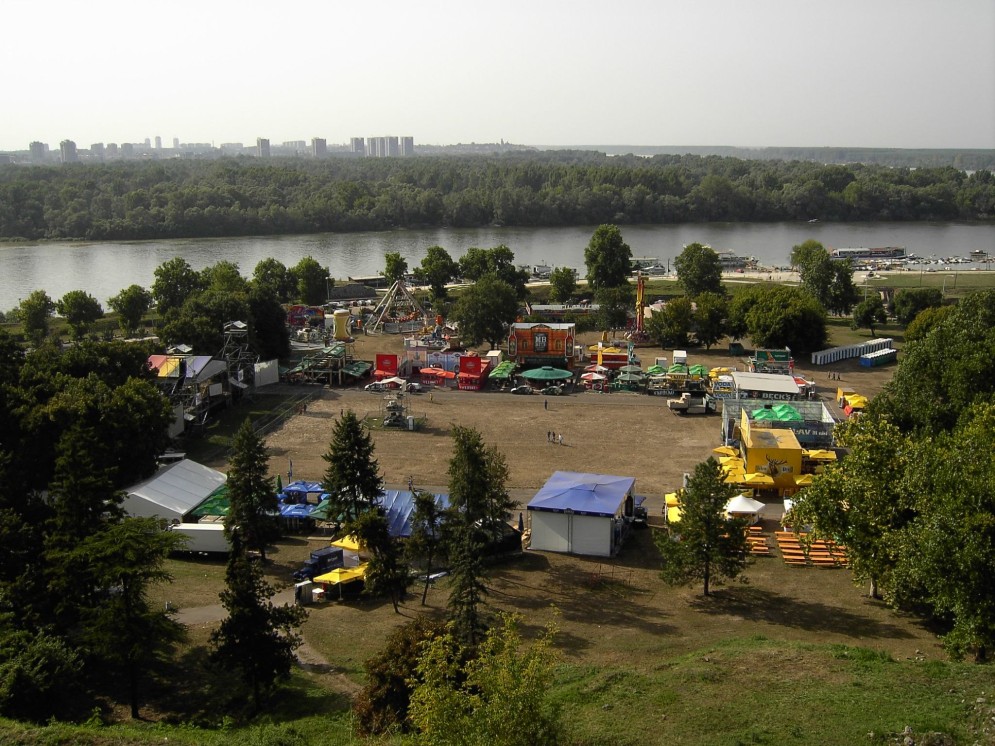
387	363
469	364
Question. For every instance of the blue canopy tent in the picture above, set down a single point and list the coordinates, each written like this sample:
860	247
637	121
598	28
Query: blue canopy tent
399	506
582	513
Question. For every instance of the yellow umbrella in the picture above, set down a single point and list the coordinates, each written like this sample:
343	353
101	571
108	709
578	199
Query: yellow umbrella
803	480
674	515
725	451
725	460
671	499
822	455
757	479
735	478
347	542
342	575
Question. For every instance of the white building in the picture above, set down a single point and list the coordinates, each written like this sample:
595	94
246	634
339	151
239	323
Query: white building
174	491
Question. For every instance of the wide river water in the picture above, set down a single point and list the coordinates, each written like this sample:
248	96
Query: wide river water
104	269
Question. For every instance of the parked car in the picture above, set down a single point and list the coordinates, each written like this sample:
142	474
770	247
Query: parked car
553	390
413	387
375	386
522	390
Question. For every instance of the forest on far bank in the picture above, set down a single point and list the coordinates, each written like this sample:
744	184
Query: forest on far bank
246	196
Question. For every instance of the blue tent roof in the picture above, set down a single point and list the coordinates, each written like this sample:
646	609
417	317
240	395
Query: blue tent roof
399	505
585	494
302	486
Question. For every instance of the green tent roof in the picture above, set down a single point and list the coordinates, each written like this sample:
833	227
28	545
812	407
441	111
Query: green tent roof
547	373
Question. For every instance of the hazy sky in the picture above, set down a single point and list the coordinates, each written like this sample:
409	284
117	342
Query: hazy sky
876	73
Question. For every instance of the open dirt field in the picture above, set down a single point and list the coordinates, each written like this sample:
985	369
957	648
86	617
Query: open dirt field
621	433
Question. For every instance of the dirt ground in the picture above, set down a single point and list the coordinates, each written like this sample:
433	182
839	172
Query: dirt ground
614	612
620	433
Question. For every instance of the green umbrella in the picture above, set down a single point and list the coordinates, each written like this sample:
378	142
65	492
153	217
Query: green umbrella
678	369
321	510
698	370
630	377
630	369
547	373
279	483
655	370
763	414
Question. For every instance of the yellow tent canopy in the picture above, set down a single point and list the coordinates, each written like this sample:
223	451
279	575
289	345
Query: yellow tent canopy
349	543
758	479
671	499
342	575
674	515
803	480
725	451
821	455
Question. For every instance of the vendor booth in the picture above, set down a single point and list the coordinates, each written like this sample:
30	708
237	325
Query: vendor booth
770	386
582	513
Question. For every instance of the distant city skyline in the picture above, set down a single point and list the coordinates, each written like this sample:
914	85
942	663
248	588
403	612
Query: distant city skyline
887	73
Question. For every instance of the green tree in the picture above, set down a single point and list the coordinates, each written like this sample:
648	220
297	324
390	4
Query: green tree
807	253
175	281
391	674
425	543
499	261
257	639
501	695
124	629
869	313
843	294
35	311
859	502
352	477
925	321
131	304
706	543
562	284
479	503
395	267
273	276
947	553
699	270
484	311
224	276
778	316
614	305
312	279
81	310
268	324
711	310
37	668
437	270
254	507
670	326
941	375
909	302
386	572
608	258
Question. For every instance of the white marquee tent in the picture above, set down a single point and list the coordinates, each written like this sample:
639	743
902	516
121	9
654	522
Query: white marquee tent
173	492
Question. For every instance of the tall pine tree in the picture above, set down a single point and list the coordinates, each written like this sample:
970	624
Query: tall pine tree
257	639
478	499
254	512
352	478
386	573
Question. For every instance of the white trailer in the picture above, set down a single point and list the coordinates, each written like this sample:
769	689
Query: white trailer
203	537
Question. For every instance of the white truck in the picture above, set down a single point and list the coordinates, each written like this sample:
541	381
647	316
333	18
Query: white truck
208	538
692	402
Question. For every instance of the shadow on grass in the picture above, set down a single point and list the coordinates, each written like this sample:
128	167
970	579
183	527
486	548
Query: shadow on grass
759	605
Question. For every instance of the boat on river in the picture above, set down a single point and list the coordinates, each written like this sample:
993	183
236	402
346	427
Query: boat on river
882	252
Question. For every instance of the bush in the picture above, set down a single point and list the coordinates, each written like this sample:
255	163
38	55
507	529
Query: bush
382	705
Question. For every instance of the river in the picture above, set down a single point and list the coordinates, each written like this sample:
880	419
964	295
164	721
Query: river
105	268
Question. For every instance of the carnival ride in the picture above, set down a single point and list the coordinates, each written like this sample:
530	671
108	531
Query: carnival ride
398	312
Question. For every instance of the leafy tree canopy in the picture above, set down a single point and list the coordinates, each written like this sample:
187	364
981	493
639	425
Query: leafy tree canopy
131	304
475	264
272	275
437	270
909	302
35	311
562	284
312	279
80	310
670	326
175	281
485	310
870	313
608	258
779	316
699	270
395	266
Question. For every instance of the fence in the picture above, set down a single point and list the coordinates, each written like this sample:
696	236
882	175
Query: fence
835	354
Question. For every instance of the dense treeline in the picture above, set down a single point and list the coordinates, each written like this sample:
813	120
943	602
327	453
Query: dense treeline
178	199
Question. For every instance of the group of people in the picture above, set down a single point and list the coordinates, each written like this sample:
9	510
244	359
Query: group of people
552	437
834	376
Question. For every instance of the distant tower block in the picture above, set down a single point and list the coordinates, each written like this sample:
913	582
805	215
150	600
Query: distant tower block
340	321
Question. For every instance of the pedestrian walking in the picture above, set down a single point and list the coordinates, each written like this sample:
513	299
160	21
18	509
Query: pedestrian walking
561	438
554	436
549	436
545	404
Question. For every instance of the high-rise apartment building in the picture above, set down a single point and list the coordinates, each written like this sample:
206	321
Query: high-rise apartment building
111	150
407	146
127	150
357	145
67	152
176	143
158	142
386	147
262	147
393	148
39	152
319	147
97	151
